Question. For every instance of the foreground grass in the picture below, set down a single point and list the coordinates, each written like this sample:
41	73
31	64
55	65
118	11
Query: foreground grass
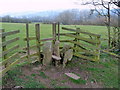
104	72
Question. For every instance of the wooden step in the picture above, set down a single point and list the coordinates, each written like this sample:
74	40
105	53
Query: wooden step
56	58
72	75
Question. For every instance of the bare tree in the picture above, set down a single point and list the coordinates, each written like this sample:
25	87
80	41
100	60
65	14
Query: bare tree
104	8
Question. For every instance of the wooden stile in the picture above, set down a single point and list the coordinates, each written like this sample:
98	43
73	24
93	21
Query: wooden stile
37	26
28	45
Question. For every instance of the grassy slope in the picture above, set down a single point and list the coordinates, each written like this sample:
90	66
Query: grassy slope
107	75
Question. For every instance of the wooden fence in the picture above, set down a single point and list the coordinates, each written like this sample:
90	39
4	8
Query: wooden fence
38	44
80	48
7	61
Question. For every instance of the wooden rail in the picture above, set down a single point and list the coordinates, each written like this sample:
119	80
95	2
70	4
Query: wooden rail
88	33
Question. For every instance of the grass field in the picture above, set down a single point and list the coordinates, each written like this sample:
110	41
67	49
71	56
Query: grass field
104	72
46	30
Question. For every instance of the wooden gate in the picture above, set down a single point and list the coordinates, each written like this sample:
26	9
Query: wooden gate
85	45
8	61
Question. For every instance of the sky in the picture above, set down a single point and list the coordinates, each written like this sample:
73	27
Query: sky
11	6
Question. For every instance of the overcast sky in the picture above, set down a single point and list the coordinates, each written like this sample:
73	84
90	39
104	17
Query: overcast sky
11	6
8	6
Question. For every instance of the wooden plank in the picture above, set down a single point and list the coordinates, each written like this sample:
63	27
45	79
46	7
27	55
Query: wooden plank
9	50
72	75
86	51
82	56
81	44
55	57
37	26
30	38
88	33
8	42
9	67
110	53
83	39
28	44
65	33
9	58
9	33
47	39
58	31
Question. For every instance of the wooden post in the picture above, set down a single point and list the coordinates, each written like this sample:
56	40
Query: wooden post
76	40
58	31
4	47
28	44
37	26
97	57
54	32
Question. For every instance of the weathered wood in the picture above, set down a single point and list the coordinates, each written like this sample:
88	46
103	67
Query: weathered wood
37	26
81	44
88	33
65	33
76	40
58	31
28	45
86	51
54	32
83	39
9	33
9	67
8	59
84	57
55	57
97	51
73	76
110	53
4	47
30	38
9	50
8	42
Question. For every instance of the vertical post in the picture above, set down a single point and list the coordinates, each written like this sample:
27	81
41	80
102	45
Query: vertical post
119	29
109	38
37	27
54	32
4	47
58	31
97	57
76	40
28	44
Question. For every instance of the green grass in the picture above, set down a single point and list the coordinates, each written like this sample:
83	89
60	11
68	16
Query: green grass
42	74
105	71
46	30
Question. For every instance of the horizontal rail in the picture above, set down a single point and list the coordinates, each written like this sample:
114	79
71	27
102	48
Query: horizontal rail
88	33
14	63
9	50
82	56
8	42
47	39
78	43
33	46
86	51
9	33
30	38
83	39
66	33
9	58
